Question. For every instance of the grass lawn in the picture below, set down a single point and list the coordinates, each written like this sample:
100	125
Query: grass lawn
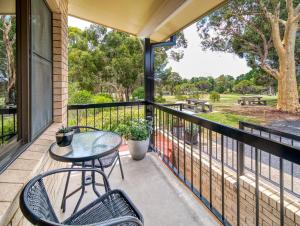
222	109
228	119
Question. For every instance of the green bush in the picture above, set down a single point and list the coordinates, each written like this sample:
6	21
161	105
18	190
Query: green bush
160	99
135	129
180	97
80	97
138	93
101	98
214	96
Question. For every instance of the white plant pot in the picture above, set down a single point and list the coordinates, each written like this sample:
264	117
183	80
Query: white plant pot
138	149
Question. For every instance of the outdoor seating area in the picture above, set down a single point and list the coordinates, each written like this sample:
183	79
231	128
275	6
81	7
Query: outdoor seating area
99	129
197	105
251	100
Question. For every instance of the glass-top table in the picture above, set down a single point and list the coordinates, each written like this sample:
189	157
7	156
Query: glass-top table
87	146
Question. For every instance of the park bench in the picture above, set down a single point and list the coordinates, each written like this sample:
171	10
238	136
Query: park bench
197	106
251	100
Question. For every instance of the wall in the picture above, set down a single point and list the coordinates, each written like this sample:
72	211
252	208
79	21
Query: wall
60	61
35	159
269	200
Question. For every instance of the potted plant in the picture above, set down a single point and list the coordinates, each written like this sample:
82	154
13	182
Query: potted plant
137	134
191	135
178	128
64	136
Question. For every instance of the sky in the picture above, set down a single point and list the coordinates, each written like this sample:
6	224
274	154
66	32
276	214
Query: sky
196	62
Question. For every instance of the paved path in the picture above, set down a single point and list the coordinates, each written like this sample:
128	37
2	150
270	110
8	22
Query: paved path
287	126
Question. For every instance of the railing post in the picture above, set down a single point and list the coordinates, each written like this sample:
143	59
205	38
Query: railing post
149	82
241	150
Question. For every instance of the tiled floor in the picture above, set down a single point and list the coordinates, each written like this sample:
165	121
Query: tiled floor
158	194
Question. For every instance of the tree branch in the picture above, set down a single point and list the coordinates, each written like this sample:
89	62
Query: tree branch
274	20
271	71
297	9
289	6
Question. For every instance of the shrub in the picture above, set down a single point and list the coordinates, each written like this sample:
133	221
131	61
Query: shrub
180	97
80	97
138	93
247	87
101	98
135	130
160	99
214	96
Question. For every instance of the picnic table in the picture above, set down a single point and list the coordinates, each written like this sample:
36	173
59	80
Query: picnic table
251	100
198	105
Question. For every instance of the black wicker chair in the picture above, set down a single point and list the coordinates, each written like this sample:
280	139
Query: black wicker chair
113	208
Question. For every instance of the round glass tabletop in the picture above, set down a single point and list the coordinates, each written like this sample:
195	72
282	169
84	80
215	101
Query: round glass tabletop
87	146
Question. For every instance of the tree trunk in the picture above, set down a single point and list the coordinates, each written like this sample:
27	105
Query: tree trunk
288	97
11	67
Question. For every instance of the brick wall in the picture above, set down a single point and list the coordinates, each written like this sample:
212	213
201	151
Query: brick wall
269	204
60	61
33	161
36	158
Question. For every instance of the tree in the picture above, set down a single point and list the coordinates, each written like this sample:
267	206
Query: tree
224	83
265	33
173	80
101	59
8	62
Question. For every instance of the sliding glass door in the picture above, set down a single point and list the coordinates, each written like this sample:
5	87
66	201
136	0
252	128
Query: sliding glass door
41	67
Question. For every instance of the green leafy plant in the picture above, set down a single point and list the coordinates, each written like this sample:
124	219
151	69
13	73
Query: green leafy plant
214	96
81	97
138	130
101	98
64	129
160	99
190	130
138	93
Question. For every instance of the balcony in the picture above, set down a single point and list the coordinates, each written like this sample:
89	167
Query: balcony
161	198
244	176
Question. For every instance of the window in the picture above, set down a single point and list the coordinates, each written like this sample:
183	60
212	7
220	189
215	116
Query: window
8	76
25	75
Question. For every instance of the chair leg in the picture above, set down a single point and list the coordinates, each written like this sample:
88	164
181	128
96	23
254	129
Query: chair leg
63	201
121	169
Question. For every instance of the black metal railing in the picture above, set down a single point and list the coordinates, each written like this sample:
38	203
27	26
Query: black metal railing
8	124
195	149
269	164
104	116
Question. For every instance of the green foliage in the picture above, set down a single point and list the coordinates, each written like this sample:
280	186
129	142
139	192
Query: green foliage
192	130
106	118
180	97
160	99
229	119
101	98
241	27
100	58
80	97
214	96
135	129
224	83
247	87
64	130
138	93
